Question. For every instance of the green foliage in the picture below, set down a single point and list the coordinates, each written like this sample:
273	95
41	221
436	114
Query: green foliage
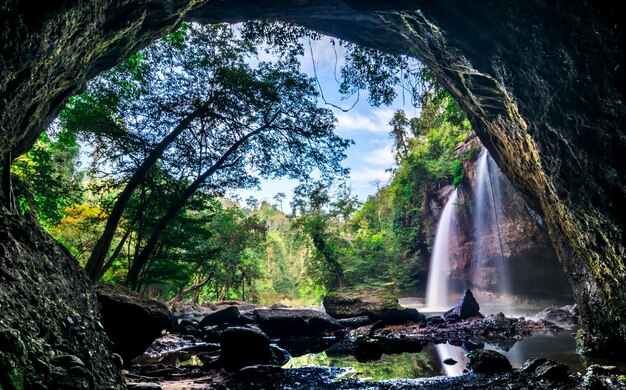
390	238
49	173
458	173
247	122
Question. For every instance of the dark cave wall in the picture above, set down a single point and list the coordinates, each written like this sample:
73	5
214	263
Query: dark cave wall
542	80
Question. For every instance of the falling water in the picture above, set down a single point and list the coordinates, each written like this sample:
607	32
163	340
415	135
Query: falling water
487	203
437	293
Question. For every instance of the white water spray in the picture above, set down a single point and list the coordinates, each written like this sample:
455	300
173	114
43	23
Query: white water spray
487	206
437	294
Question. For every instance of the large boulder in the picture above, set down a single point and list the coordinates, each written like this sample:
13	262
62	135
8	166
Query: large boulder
228	315
285	322
543	368
566	316
355	302
485	361
247	346
465	308
131	321
398	316
499	322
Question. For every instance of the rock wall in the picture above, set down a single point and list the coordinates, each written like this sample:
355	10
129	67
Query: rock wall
517	257
542	80
50	331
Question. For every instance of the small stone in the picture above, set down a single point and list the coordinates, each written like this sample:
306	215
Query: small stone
449	361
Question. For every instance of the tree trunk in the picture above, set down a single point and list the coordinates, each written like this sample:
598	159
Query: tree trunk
223	292
116	252
175	208
99	253
195	288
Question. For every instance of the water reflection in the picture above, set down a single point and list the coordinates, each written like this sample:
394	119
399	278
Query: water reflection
447	351
400	366
559	346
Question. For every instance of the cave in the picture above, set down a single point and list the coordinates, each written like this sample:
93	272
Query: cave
543	83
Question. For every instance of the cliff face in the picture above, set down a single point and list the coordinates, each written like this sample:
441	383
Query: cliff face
543	81
509	250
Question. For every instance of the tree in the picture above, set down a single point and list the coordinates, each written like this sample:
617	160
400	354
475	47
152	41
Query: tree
279	198
314	217
193	103
252	203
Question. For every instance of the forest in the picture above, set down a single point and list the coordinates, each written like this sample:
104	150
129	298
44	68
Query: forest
132	177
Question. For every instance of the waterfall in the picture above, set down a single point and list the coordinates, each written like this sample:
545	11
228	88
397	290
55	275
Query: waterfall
487	209
437	294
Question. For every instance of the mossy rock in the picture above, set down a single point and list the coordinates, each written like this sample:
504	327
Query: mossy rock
355	302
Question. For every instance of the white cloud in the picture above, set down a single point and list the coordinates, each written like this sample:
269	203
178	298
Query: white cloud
377	122
370	175
382	157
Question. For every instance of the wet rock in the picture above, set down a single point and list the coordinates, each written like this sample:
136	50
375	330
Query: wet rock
435	320
565	316
552	370
449	362
354	302
241	305
355	322
484	361
367	350
397	316
531	364
543	368
260	371
172	325
284	322
498	322
298	346
246	346
465	308
279	305
472	345
228	315
118	361
281	355
247	319
131	321
11	342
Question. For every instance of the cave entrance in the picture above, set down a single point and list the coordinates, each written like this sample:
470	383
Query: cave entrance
170	127
534	109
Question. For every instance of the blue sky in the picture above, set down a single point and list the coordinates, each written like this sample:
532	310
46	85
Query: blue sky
371	154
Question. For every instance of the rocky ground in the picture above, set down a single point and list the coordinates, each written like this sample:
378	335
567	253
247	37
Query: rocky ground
237	345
